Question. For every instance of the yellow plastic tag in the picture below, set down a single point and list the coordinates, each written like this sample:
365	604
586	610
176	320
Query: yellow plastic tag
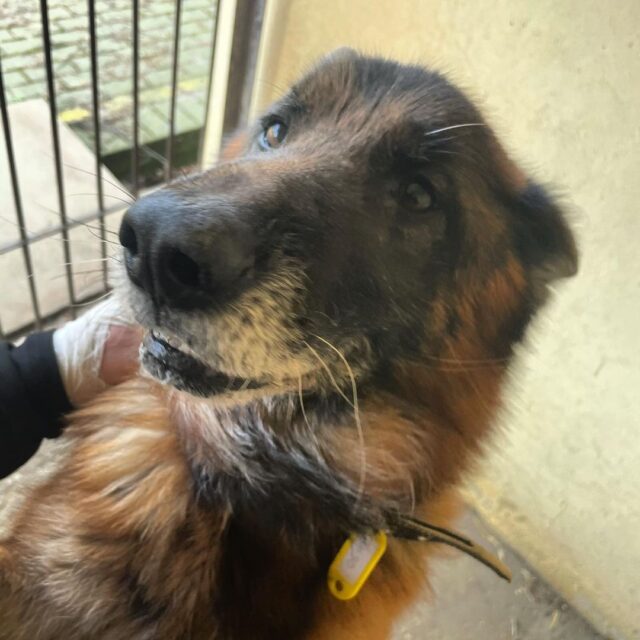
354	563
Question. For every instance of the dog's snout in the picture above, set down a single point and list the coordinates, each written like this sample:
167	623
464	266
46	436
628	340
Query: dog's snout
183	254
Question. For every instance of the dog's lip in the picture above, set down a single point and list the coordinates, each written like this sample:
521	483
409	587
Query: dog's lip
165	359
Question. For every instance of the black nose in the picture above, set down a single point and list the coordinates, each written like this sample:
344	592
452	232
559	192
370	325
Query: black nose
186	254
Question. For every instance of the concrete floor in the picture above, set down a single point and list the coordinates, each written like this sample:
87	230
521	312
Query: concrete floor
470	602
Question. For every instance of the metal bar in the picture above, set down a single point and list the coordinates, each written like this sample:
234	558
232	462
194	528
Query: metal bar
44	14
29	239
219	83
135	152
26	251
273	29
95	93
209	82
242	66
168	173
52	318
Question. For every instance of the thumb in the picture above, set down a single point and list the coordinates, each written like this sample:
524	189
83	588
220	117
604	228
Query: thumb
120	353
80	346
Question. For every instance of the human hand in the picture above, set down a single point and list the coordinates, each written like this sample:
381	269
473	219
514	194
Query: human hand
98	349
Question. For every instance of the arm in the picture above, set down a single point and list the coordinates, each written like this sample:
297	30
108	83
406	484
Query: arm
52	372
32	399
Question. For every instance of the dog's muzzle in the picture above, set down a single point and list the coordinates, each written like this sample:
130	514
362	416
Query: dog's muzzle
186	254
186	372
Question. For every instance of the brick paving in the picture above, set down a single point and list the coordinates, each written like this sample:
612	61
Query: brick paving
24	75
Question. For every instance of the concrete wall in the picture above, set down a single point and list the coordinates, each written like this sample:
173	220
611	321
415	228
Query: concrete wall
560	81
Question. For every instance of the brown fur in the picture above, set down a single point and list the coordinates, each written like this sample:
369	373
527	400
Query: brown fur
119	545
122	506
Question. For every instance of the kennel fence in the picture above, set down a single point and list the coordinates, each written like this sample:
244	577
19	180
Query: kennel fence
143	164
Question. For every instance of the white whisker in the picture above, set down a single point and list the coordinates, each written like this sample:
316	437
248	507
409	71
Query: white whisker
92	301
304	413
325	366
356	413
455	126
91	173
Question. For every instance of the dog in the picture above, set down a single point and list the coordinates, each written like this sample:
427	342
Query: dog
331	312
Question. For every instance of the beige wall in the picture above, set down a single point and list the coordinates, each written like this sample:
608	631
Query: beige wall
560	81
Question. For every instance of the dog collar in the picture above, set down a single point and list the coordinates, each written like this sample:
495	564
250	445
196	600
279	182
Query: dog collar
360	554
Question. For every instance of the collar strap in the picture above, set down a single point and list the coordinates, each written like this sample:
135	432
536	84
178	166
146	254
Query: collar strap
408	528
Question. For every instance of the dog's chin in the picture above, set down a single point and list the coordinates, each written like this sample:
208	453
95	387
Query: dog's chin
174	366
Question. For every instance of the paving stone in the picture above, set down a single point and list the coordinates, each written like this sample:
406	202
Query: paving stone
18	14
114	62
83	66
15	79
159	78
202	15
80	24
185	120
59	13
21	62
27	32
18	47
193	85
194	65
157	23
157	117
35	74
76	81
71	99
116	88
64	66
115	72
61	52
159	48
117	109
110	5
110	45
25	92
162	109
158	7
192	114
109	29
191	28
121	15
78	38
112	142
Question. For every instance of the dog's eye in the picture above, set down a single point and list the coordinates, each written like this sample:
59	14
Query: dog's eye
417	196
273	136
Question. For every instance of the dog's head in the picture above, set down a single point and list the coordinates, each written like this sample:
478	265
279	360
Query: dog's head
367	217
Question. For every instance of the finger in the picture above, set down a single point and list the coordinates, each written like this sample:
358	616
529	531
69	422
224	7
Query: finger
120	354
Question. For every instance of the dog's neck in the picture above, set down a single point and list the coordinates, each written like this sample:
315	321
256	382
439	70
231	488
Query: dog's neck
269	461
297	465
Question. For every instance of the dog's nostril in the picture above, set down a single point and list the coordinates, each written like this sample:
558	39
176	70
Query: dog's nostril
127	237
183	269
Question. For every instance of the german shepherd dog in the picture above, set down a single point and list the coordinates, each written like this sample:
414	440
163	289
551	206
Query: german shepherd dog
331	312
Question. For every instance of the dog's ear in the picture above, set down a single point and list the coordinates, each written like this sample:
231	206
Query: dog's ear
543	237
341	54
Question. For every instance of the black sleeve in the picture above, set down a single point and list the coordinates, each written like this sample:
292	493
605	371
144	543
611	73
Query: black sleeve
32	399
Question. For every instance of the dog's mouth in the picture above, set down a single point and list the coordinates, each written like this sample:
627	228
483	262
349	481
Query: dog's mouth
166	359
